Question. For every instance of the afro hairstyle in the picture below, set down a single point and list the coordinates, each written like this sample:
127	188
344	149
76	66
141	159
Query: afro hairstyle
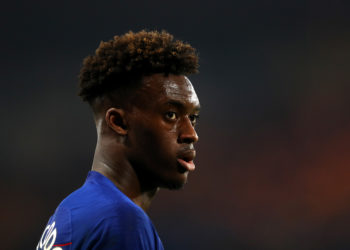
125	59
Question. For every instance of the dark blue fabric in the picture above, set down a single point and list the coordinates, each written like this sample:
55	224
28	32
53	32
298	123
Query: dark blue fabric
99	216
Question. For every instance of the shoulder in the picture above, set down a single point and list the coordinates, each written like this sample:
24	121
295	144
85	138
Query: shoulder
125	228
99	216
92	204
114	226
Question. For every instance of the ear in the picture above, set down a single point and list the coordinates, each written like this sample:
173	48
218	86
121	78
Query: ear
115	119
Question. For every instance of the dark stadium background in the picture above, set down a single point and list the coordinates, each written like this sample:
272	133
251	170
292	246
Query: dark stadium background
274	84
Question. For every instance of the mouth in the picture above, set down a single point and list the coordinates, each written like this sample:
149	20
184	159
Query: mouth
187	165
185	159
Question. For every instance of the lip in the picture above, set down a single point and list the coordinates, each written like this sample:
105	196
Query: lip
185	158
189	166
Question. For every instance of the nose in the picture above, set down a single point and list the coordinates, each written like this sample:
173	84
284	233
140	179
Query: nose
188	133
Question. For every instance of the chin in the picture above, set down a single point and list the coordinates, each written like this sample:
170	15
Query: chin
173	180
174	184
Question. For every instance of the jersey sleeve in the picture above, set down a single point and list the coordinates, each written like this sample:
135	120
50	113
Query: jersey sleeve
57	234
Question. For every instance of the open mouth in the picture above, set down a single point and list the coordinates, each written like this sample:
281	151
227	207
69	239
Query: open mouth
187	165
185	160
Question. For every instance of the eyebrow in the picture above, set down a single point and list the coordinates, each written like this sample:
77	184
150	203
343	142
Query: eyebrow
180	105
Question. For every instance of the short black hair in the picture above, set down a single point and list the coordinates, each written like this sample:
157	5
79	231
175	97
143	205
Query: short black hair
118	62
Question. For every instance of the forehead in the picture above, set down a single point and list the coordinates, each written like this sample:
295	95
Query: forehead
171	88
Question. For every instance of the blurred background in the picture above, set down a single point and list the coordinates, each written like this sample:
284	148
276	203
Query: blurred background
274	85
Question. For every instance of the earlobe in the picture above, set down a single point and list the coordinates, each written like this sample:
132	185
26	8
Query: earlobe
115	119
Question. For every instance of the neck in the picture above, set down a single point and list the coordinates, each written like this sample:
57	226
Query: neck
114	165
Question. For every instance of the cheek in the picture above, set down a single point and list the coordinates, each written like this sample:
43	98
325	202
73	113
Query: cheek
158	141
173	130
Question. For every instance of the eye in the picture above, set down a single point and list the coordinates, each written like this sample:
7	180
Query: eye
171	115
194	119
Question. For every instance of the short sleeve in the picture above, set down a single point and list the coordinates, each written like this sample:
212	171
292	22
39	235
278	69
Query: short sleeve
57	234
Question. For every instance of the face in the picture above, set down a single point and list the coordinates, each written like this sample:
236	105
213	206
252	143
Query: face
161	130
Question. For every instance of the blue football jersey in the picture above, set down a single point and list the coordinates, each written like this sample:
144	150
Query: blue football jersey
99	216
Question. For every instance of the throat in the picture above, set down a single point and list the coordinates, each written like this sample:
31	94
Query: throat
127	181
144	199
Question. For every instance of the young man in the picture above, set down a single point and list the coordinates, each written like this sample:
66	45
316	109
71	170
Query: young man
145	110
